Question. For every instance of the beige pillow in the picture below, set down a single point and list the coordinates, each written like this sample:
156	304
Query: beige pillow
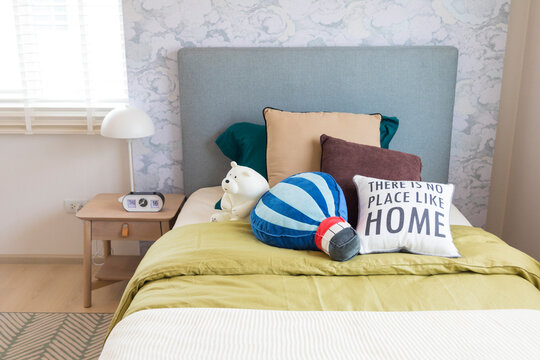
293	139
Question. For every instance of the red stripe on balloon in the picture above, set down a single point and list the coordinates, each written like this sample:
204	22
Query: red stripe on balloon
323	228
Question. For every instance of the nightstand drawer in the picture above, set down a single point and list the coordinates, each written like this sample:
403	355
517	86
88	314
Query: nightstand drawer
136	230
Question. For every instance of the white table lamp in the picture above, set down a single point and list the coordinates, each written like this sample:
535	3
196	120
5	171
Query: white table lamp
127	123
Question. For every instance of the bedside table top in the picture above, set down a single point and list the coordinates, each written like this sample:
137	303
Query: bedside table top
107	207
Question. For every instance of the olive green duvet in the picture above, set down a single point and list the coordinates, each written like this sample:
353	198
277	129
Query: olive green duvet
223	265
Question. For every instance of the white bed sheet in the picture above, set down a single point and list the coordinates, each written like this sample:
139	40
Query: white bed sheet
266	334
199	207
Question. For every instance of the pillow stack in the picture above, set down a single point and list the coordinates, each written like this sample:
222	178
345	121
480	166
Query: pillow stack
388	204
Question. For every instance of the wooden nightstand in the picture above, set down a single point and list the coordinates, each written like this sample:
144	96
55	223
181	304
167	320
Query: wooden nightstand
105	219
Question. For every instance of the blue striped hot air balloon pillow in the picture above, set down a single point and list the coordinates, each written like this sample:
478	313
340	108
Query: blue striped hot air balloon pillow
289	214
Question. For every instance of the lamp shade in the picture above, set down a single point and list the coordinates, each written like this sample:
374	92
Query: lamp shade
127	123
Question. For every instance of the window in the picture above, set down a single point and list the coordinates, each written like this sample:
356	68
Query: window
62	65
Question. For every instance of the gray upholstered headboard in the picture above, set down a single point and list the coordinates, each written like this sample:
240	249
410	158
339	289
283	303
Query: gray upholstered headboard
221	86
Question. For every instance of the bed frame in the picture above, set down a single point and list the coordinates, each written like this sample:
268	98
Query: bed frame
221	86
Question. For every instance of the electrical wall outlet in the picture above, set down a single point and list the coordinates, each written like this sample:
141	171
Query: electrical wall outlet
72	206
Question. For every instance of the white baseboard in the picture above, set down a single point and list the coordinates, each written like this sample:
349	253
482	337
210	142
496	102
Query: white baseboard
41	259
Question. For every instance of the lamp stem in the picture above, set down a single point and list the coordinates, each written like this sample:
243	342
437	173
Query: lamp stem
131	165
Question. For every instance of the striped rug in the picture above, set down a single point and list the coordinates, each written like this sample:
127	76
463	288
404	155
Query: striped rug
25	335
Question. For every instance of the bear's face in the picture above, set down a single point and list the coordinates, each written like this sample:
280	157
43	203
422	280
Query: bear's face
244	181
231	182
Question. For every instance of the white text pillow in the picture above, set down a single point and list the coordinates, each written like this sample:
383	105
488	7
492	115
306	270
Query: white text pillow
404	215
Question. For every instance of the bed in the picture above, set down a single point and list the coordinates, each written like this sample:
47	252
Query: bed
212	290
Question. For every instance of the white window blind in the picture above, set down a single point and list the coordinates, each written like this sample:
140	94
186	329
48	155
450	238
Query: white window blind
62	65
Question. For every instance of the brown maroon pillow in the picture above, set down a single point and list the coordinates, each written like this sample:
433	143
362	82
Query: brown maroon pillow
343	159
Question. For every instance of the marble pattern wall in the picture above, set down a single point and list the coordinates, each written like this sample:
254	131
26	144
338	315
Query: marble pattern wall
156	29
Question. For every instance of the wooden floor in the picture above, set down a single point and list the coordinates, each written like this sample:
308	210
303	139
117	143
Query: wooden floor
52	288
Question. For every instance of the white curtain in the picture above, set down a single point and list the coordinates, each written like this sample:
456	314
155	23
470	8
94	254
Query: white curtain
62	64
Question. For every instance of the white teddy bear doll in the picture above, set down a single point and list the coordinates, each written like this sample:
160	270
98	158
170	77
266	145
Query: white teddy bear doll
242	188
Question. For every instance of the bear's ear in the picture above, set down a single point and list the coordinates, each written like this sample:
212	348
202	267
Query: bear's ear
246	173
234	164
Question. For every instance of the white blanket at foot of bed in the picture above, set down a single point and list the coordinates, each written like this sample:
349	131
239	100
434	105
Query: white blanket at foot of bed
263	334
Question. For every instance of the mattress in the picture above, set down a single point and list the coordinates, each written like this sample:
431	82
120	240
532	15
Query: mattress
256	334
199	207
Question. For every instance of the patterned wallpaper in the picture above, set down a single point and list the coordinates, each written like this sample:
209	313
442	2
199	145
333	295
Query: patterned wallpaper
156	29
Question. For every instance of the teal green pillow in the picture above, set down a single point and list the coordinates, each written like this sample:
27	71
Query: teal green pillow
245	143
388	128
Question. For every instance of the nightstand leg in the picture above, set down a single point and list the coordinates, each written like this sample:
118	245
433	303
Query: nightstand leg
87	264
165	226
106	248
